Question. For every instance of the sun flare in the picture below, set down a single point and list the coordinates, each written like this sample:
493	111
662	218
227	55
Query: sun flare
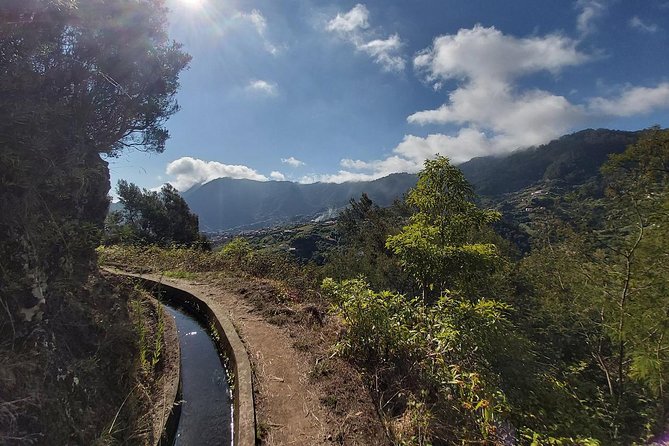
194	4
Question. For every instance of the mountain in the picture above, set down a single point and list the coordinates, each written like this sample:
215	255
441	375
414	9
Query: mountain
227	204
571	160
231	204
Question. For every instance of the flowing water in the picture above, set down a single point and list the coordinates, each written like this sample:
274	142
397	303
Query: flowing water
206	408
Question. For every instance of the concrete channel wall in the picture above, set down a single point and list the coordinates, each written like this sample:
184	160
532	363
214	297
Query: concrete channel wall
228	341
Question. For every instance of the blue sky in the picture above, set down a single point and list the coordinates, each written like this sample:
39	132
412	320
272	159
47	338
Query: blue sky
306	90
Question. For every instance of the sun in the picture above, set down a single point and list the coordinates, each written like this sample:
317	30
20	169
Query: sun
194	4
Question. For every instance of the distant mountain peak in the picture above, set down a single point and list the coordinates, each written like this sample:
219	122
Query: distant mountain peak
227	203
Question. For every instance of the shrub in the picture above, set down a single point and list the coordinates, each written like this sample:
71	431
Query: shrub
432	360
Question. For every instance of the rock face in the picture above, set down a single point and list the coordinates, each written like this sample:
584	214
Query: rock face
53	202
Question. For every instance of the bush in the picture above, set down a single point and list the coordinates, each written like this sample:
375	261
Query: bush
237	249
433	361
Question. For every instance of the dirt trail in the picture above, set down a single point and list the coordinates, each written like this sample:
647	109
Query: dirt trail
288	405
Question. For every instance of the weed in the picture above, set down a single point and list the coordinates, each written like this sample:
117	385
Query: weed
158	338
140	328
214	333
320	370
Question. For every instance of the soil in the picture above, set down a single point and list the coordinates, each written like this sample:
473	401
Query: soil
304	395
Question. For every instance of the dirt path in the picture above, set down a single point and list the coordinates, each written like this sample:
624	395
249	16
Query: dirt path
288	404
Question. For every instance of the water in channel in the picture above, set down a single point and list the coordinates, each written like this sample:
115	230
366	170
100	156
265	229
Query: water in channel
206	408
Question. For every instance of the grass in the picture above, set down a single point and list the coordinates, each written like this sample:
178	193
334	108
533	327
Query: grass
179	274
150	330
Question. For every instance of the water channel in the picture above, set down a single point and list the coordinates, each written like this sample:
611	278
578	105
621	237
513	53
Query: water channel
206	400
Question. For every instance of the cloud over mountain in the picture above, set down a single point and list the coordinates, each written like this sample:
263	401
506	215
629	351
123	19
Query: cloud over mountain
190	171
489	107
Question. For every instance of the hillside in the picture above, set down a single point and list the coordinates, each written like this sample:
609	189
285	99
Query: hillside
226	203
570	160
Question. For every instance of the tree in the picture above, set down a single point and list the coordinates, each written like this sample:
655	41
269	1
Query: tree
441	246
601	285
633	239
362	229
78	79
147	217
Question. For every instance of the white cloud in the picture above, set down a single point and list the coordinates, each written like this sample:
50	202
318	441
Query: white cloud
292	161
366	171
633	101
355	19
348	163
263	87
258	21
486	54
466	144
278	176
589	11
385	52
490	109
190	171
494	114
353	26
638	24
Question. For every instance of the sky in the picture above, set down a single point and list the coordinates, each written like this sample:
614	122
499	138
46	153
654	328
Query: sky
307	90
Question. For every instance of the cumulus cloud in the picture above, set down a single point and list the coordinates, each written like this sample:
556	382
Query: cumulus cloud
490	108
465	144
365	170
292	161
278	176
495	115
357	18
633	101
190	171
353	26
258	21
589	11
638	24
265	88
348	163
483	53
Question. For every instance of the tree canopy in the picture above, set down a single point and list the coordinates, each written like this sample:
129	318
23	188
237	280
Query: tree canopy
96	75
78	79
441	246
148	217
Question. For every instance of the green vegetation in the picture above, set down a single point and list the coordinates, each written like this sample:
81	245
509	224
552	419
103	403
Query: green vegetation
152	218
362	230
599	280
237	249
548	328
79	80
150	329
465	338
435	363
440	247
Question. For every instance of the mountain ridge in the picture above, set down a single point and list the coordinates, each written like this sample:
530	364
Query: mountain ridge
227	204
